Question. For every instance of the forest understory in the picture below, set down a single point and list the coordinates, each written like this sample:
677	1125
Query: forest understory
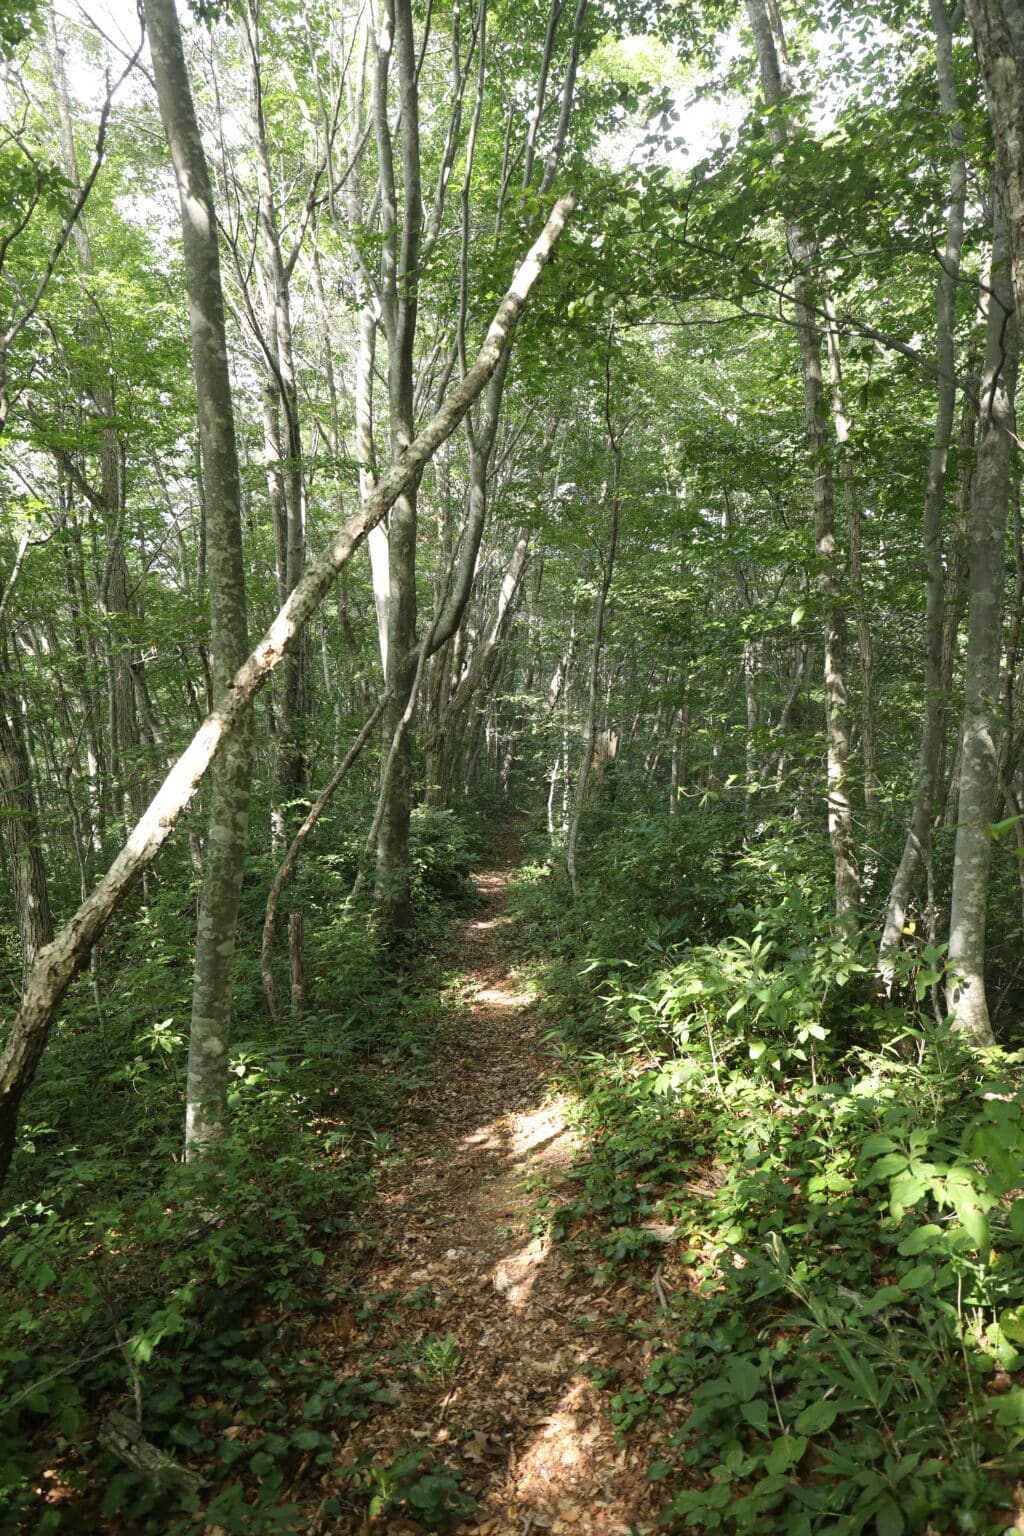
545	1257
576	442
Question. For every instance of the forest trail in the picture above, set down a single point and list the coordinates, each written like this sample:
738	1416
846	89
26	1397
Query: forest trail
491	1331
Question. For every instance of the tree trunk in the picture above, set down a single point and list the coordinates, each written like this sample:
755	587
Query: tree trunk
595	656
998	30
772	60
22	839
224	864
936	693
290	859
126	770
284	469
399	294
855	537
979	761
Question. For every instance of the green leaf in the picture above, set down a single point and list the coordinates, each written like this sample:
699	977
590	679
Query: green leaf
745	1380
975	1224
889	1520
893	1162
756	1414
1011	1321
658	1471
918	1277
785	1453
1008	1410
996	829
816	1418
875	1145
920	1240
885	1296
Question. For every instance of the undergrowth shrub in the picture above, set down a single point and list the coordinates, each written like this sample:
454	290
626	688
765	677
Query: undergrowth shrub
177	1295
156	1302
840	1344
439	851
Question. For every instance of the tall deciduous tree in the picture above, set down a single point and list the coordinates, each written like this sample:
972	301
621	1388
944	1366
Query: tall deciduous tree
224	861
980	731
917	846
771	54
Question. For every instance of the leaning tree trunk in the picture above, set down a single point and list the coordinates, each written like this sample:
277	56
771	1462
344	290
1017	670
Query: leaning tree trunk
224	863
980	734
62	960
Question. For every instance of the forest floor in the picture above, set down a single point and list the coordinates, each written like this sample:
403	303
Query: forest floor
490	1337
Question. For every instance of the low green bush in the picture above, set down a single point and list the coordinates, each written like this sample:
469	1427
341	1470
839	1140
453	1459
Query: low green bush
838	1345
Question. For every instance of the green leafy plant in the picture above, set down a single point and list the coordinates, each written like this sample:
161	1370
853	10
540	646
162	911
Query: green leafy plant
416	1484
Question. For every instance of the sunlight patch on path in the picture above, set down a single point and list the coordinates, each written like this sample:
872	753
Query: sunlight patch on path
513	1277
565	1479
540	1128
499	998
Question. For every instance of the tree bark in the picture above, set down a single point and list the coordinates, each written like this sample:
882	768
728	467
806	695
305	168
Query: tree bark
22	838
936	694
980	733
997	27
290	859
224	864
579	800
399	305
288	490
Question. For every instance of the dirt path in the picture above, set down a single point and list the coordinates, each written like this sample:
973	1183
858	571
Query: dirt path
465	1305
